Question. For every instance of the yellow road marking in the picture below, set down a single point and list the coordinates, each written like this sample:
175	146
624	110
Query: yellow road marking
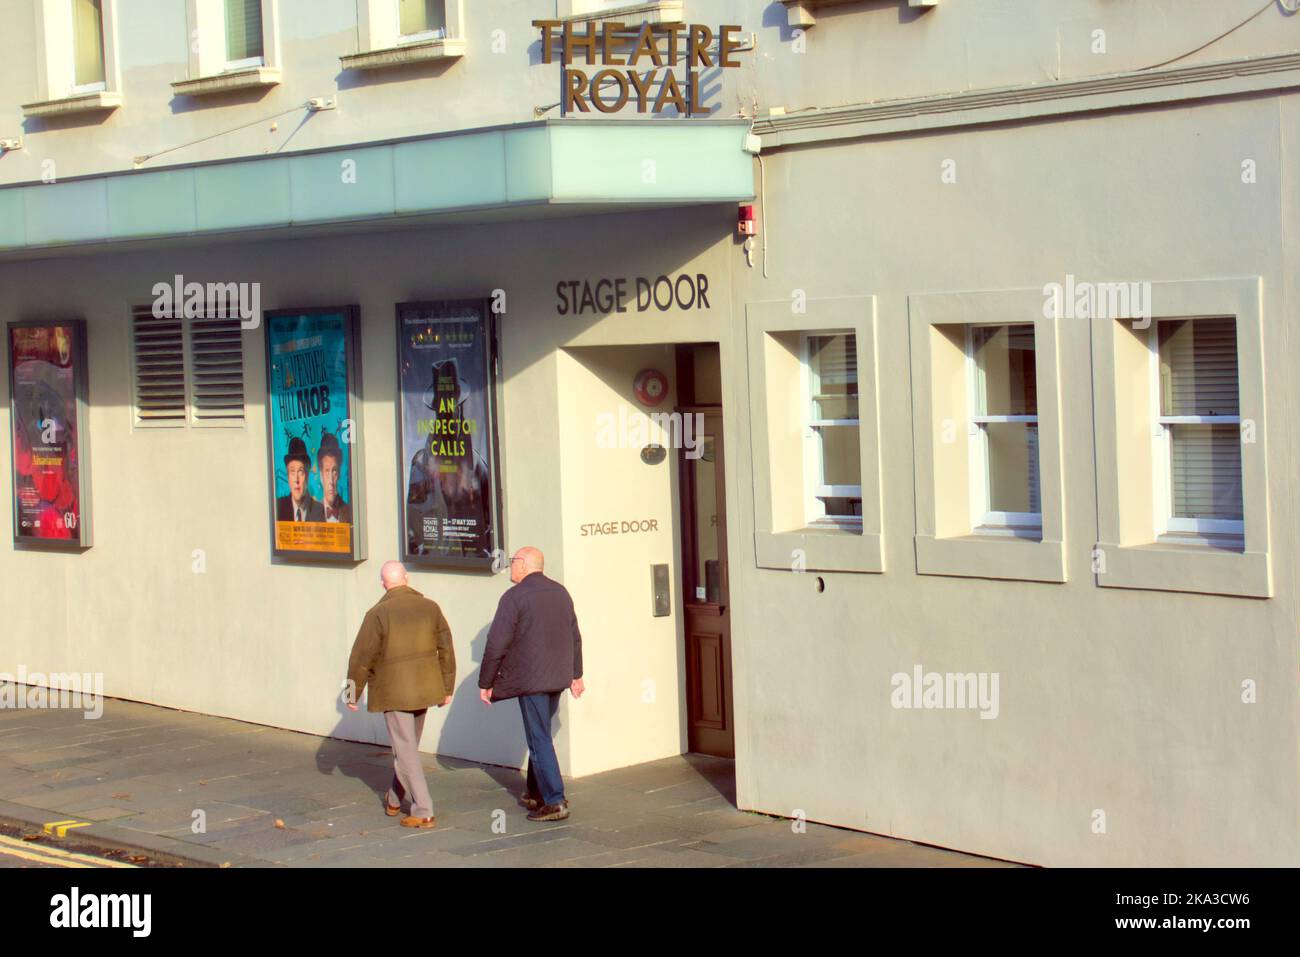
61	828
29	850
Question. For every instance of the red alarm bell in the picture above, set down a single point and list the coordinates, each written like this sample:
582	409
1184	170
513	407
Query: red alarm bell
651	387
745	223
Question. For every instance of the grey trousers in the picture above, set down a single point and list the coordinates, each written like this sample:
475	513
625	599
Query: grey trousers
404	729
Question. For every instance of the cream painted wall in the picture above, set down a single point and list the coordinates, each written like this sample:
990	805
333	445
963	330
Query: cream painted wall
1124	701
634	708
268	642
869	51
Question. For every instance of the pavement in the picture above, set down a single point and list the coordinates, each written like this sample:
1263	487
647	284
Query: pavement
204	791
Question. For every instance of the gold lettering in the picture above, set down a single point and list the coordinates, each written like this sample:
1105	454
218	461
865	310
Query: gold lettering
646	42
575	84
642	86
598	83
610	33
727	46
546	26
587	42
701	40
670	84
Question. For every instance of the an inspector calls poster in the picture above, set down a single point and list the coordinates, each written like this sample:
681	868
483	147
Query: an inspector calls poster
444	355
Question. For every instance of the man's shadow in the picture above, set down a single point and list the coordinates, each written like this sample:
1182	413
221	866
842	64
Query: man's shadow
472	735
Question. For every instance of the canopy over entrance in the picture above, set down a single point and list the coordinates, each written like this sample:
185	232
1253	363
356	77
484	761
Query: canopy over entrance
551	167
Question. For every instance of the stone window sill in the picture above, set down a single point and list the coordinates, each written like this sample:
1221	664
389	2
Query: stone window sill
660	11
820	549
991	556
99	101
803	13
261	76
1205	569
441	49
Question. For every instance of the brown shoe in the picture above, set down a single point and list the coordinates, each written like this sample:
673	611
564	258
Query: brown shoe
390	810
550	812
531	802
421	822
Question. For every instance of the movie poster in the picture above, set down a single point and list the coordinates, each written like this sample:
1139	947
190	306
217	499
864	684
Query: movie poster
47	392
448	434
314	438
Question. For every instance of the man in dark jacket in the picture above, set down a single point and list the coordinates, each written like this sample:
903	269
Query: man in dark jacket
404	653
534	652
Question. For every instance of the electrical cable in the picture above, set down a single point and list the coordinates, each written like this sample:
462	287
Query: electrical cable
141	160
1226	33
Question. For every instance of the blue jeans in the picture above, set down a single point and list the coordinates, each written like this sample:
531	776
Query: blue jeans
544	779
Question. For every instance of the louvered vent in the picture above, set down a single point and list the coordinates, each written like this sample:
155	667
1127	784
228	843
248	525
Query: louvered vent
159	349
216	370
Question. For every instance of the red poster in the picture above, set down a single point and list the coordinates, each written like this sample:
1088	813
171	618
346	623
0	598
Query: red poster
48	469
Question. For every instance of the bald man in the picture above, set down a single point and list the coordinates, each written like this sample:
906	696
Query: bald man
534	652
403	653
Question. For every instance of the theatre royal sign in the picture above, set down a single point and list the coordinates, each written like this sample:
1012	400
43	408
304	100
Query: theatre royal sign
653	65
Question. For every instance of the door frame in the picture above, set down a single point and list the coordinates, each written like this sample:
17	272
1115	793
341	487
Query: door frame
689	541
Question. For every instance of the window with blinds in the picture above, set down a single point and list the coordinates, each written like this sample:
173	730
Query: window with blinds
243	31
422	16
88	43
835	461
1005	486
187	371
1200	424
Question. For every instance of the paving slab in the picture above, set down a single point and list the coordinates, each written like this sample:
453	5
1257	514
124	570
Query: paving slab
139	772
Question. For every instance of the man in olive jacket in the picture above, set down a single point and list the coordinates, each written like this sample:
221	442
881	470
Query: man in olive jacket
534	652
403	652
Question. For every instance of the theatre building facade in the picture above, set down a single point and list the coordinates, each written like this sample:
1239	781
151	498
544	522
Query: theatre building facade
904	390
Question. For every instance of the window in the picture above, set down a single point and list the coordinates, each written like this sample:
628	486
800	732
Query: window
422	19
1197	460
815	442
1004	469
833	458
1181	441
987	436
75	50
244	44
187	371
88	46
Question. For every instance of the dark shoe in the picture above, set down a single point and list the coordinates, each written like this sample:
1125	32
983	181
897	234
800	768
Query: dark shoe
530	801
420	822
390	810
550	812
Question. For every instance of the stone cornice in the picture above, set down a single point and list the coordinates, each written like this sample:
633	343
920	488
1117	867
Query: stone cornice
1007	104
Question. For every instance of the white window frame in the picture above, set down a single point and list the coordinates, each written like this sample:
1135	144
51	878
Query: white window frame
379	26
815	488
985	520
423	36
206	22
56	56
1166	523
247	63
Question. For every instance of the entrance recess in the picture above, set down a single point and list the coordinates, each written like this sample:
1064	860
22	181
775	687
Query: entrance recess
709	711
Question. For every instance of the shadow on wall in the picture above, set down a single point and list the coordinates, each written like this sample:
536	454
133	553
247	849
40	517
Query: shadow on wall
471	731
476	732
